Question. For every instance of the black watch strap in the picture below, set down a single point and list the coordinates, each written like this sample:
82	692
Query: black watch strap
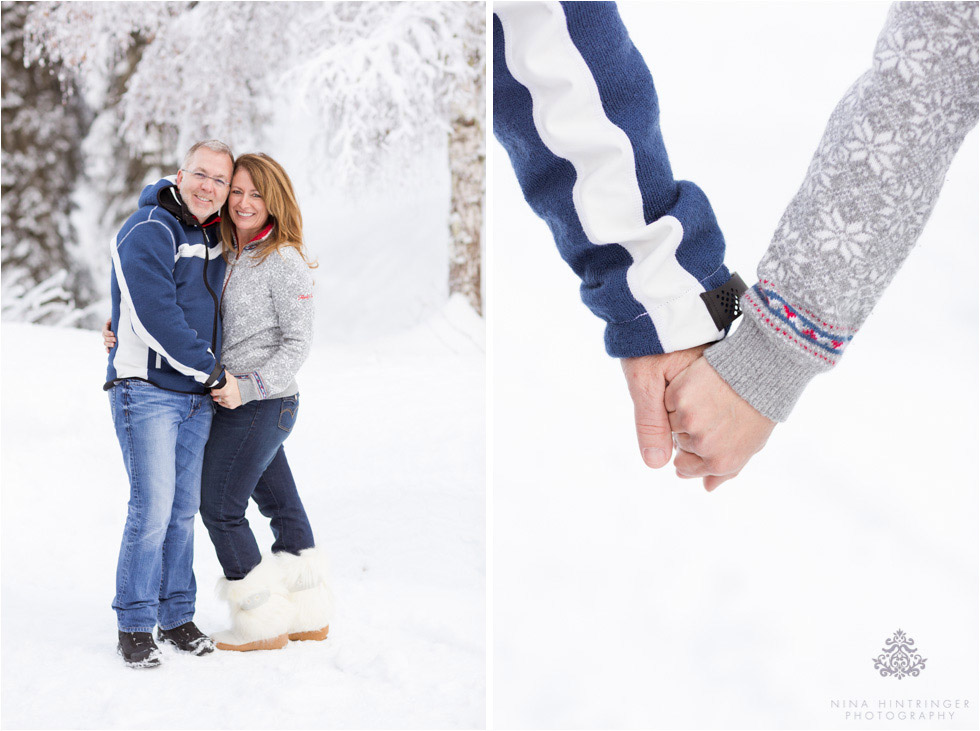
217	378
722	302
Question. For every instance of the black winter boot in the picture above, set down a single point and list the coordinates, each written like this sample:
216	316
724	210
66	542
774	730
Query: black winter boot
187	638
138	649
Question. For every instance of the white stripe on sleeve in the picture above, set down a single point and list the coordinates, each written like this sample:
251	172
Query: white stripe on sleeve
197	251
568	115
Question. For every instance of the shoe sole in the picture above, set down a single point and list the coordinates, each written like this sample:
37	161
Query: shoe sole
153	661
198	651
317	634
270	643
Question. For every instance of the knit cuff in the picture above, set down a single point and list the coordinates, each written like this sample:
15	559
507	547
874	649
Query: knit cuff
247	388
686	318
769	373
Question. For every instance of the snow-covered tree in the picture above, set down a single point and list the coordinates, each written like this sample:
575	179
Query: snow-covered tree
42	136
98	48
385	78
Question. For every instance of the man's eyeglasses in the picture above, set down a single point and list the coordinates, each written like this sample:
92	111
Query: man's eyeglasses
201	177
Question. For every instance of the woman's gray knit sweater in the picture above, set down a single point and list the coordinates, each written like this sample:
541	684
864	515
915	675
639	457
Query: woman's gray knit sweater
267	319
869	190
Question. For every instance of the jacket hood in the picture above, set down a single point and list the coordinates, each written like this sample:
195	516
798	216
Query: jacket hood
164	193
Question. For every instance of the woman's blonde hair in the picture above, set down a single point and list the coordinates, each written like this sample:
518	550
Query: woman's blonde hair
276	190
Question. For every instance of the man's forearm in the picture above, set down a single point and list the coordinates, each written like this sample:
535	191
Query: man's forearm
576	109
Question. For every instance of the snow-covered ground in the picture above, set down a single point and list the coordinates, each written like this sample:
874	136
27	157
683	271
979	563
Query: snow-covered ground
389	456
627	598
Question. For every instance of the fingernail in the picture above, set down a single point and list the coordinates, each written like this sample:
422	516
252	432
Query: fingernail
654	456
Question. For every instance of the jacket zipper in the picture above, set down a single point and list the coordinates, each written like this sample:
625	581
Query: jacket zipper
228	275
214	297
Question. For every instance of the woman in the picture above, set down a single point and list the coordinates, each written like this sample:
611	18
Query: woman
267	316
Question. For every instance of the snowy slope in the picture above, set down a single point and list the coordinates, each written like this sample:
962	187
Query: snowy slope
627	598
389	455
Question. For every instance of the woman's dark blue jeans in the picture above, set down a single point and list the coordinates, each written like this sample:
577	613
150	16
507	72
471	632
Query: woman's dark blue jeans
244	458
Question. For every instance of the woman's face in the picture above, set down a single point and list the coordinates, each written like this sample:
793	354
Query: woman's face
246	207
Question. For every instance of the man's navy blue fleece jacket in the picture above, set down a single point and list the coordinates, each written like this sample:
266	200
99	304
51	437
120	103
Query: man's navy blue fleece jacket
167	272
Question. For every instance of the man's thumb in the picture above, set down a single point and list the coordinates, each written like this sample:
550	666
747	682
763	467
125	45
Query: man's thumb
652	425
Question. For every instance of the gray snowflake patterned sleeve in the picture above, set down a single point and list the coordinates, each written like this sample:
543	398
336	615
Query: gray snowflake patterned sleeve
867	194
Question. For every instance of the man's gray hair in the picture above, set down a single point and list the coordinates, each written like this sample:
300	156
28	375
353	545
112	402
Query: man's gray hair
213	145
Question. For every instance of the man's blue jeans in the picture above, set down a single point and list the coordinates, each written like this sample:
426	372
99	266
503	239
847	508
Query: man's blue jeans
244	458
162	435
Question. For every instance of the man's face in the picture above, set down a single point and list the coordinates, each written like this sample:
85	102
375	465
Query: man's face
205	197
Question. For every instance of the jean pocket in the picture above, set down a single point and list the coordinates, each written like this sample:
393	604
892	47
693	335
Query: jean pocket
287	412
138	383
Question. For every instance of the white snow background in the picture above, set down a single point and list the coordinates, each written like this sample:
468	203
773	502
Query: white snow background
388	453
627	598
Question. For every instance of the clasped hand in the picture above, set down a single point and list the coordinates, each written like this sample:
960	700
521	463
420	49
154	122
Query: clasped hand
229	396
679	400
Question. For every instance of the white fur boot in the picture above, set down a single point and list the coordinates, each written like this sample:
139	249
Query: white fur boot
260	611
307	579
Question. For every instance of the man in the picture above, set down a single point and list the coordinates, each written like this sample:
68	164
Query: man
167	273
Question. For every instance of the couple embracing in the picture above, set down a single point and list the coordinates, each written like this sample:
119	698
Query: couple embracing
212	316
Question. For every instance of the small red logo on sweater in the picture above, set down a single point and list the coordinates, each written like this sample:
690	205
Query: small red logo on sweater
306	296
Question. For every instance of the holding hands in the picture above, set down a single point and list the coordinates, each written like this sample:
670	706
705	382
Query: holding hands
679	400
647	378
716	431
229	396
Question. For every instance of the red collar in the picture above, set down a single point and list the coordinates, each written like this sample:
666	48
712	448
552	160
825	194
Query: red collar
261	234
257	239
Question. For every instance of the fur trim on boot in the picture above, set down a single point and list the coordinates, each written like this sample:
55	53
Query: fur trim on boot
260	611
307	578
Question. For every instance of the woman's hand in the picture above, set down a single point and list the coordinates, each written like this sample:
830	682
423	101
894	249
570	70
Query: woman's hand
229	396
108	337
715	429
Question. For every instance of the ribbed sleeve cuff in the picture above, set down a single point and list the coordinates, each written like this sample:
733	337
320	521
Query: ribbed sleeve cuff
248	390
766	371
686	318
632	339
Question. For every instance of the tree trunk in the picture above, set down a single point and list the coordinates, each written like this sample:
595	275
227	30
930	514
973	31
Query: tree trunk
467	159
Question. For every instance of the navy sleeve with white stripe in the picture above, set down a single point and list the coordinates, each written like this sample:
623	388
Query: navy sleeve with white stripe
575	107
